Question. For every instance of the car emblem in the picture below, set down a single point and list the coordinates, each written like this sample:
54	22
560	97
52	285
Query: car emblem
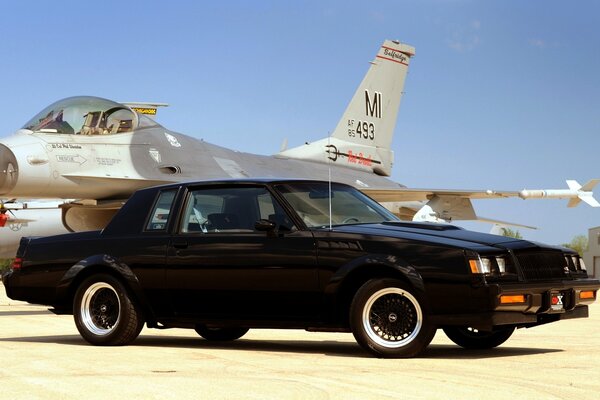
556	302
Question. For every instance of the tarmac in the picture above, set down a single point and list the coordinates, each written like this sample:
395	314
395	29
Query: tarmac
43	357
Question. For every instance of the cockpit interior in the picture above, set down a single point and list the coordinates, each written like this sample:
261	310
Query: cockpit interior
86	115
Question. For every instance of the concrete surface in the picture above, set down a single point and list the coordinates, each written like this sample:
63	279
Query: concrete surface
42	356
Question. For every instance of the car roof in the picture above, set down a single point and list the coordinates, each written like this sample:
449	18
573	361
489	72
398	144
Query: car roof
237	181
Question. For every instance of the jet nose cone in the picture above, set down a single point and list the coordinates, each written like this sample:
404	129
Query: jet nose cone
8	170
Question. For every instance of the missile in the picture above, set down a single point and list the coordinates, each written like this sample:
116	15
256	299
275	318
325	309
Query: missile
576	193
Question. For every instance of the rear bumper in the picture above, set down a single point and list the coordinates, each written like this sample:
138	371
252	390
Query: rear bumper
543	303
35	294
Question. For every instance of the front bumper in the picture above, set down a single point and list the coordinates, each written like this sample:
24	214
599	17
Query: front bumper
542	303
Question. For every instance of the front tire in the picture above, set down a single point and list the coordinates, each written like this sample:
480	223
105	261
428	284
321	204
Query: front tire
471	338
105	313
220	334
389	320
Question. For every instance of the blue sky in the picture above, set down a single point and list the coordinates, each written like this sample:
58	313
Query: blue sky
500	95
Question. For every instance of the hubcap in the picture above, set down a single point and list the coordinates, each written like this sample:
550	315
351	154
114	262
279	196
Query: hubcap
392	317
100	308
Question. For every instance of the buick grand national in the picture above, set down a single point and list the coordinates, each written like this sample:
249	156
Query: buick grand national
225	257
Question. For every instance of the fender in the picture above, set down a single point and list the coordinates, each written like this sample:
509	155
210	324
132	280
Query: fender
102	261
386	261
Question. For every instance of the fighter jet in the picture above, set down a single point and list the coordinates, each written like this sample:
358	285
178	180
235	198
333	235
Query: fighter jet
98	152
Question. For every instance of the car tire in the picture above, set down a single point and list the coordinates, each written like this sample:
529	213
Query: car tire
105	313
220	334
471	338
389	319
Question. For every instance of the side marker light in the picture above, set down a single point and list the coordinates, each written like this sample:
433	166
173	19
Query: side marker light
513	299
473	264
587	295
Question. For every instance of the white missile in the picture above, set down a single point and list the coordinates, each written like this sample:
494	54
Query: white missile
576	193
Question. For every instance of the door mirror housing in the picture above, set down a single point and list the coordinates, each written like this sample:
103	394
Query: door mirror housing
264	225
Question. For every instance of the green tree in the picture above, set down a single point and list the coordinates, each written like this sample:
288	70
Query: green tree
510	233
579	243
5	264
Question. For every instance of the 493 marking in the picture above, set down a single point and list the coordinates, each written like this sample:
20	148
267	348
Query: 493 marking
364	129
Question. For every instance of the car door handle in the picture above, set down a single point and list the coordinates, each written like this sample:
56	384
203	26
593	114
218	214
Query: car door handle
180	244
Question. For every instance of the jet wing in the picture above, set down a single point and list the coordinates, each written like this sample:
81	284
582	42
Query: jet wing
503	223
406	194
575	193
445	205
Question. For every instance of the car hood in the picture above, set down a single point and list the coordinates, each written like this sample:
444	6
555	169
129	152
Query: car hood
440	232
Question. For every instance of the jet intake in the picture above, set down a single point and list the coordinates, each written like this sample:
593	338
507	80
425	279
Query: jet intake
9	172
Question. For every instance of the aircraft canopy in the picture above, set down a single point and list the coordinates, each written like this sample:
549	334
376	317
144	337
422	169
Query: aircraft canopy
86	115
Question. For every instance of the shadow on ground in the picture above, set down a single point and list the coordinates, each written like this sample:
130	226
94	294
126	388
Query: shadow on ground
329	348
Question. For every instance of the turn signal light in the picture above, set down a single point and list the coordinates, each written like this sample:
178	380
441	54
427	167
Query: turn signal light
587	295
474	266
513	299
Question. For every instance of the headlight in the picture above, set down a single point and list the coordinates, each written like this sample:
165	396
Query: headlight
501	261
582	265
574	258
575	263
492	265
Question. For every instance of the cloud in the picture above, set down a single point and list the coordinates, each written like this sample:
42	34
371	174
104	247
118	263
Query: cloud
465	38
538	43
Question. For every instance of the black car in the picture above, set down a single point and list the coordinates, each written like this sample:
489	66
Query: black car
224	257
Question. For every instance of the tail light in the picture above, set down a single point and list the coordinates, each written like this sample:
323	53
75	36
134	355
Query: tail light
17	263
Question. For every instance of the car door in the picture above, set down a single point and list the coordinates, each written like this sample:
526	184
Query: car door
220	266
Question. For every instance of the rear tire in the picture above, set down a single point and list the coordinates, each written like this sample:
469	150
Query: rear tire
471	338
220	334
389	320
105	313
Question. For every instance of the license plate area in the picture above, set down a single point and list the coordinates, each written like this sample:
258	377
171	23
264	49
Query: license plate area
557	301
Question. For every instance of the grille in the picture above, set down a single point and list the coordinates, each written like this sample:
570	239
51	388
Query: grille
540	266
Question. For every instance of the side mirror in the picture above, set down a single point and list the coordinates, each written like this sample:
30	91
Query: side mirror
264	225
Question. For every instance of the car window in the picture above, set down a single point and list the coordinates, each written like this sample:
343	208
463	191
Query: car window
234	210
161	211
314	202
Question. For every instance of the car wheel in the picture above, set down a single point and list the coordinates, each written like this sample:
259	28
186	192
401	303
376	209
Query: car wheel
471	338
389	320
220	334
105	313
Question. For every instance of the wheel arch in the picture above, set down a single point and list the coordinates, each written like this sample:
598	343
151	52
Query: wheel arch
100	264
348	279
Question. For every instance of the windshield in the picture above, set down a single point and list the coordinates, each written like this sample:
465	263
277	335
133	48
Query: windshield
85	115
349	206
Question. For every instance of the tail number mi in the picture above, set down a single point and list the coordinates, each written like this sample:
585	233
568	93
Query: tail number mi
373	106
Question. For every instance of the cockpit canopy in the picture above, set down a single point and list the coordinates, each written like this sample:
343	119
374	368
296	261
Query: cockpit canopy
87	115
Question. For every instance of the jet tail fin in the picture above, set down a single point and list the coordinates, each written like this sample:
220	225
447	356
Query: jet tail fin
363	137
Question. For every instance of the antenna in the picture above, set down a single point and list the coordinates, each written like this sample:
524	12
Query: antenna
329	177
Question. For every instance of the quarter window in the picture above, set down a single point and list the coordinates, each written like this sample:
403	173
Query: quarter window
161	211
